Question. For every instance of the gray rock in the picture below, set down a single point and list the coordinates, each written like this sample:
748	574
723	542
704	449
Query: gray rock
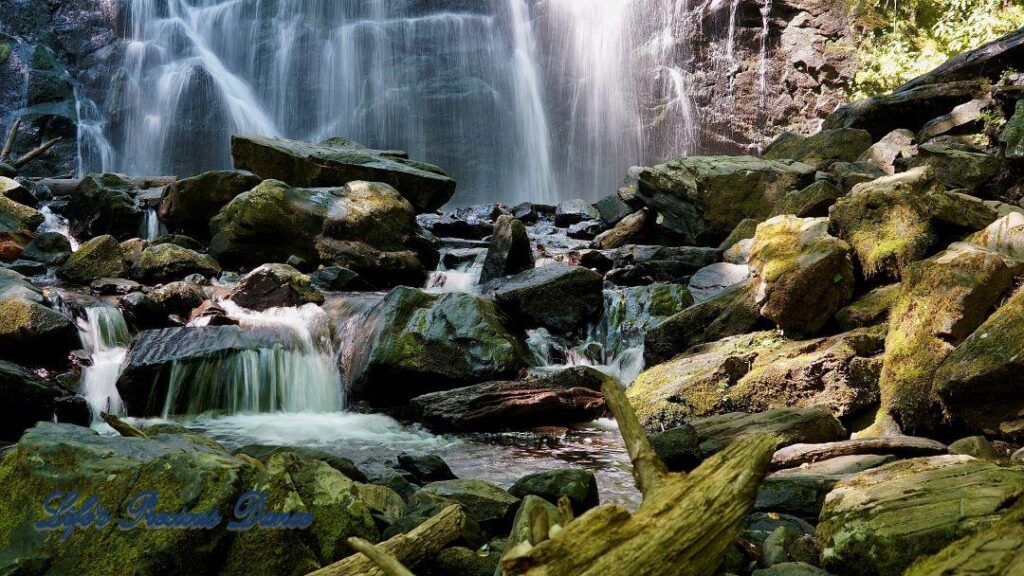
508	251
579	486
559	297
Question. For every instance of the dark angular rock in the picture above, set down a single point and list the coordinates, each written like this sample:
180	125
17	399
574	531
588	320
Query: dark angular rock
188	205
426	468
579	486
275	286
508	252
104	204
559	297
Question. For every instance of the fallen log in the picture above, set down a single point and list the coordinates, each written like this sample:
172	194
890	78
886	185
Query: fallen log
121	427
20	162
409	549
384	561
67	186
684	525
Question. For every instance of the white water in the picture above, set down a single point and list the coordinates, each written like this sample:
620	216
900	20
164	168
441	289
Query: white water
105	337
766	12
53	222
151	226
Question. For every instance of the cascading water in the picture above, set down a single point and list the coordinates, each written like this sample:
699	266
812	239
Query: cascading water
105	336
53	222
518	99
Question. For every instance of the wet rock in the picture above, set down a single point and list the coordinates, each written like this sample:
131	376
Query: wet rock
27	399
338	278
612	209
497	406
415	343
955	166
275	286
449	227
731	312
712	280
508	251
941	302
569	212
114	286
755	372
16	217
169	262
558	297
270	223
425	469
911	107
336	162
802	275
661	263
879	521
380	268
27	267
98	258
631	312
788	425
48	248
492	507
678	448
422	505
896	220
710	196
868	310
579	486
188	205
159	307
892	147
798	455
820	149
801	491
586	230
104	204
979	382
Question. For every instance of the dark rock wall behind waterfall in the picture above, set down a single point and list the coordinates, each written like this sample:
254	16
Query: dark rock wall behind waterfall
61	71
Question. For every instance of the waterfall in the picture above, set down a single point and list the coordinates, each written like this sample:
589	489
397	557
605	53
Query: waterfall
299	374
518	99
53	222
151	227
105	336
95	154
766	12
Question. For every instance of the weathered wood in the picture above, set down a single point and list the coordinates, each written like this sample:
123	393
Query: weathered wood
648	469
902	446
34	153
385	562
121	427
12	135
409	549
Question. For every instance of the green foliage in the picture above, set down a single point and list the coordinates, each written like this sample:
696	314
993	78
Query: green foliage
903	39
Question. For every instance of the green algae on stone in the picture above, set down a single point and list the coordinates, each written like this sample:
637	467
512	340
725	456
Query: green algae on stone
1013	133
868	310
167	262
100	257
15	217
821	148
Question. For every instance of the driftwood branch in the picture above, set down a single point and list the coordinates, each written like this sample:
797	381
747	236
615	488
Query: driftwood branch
12	134
384	561
8	149
35	153
409	549
123	428
648	469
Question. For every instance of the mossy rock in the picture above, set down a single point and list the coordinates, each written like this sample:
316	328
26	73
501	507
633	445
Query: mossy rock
820	149
100	257
881	520
810	202
188	204
275	286
48	248
941	302
167	262
802	274
870	309
492	507
558	297
1012	136
958	167
32	332
579	486
1005	236
15	217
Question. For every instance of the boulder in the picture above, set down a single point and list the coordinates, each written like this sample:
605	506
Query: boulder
678	448
896	220
613	209
976	447
709	196
911	107
820	149
870	309
263	453
336	162
508	251
941	302
879	521
788	425
1012	137
48	248
462	561
569	212
812	201
890	148
1005	236
499	406
631	229
188	205
631	312
338	278
847	175
492	507
956	166
579	486
449	227
27	399
661	263
100	257
105	204
979	383
269	223
425	469
415	343
801	491
729	313
760	371
275	286
156	308
16	217
31	331
800	455
16	190
556	296
964	119
169	262
802	275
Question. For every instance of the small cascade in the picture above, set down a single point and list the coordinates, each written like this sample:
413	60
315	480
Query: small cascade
105	336
298	374
730	40
95	153
463	277
53	222
151	226
766	12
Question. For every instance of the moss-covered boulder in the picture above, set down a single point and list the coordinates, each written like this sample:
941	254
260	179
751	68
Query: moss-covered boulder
879	521
275	286
868	310
415	342
269	223
956	166
820	149
492	507
812	201
579	486
941	302
187	205
559	297
32	332
168	262
896	220
708	196
980	382
802	275
729	313
336	162
100	257
760	371
105	204
15	217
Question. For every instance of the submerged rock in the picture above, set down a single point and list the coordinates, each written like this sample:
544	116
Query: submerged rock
275	286
100	257
188	205
415	342
336	162
556	296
